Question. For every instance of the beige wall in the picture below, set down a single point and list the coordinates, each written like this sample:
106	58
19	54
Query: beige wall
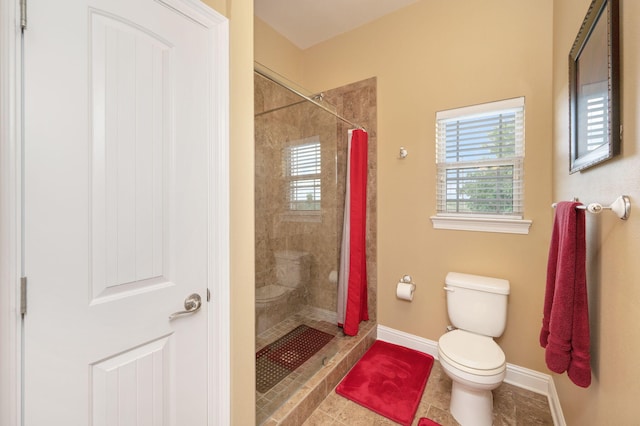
277	53
240	14
428	57
613	274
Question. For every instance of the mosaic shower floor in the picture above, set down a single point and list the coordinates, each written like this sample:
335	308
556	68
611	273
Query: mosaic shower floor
268	402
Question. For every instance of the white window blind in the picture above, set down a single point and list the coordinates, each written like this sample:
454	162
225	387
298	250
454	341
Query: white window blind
480	159
303	168
593	114
596	114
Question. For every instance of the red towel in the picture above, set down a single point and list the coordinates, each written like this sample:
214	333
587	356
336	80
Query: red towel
565	324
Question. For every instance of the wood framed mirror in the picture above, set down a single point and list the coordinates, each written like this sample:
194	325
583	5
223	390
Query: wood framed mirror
594	98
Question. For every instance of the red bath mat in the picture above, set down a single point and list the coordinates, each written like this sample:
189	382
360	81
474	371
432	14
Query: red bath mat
389	379
275	361
427	422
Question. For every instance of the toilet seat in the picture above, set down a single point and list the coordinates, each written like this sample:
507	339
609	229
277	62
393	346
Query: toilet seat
472	353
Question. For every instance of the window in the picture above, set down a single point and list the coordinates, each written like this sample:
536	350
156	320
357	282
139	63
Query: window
480	160
302	172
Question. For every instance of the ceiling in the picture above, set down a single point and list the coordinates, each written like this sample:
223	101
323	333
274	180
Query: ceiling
308	22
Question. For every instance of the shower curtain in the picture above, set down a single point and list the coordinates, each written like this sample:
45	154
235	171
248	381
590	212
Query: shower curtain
352	282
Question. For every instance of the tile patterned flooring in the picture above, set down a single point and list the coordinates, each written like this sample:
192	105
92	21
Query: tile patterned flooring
512	406
307	397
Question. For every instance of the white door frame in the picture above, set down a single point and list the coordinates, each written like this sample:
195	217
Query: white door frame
10	221
11	212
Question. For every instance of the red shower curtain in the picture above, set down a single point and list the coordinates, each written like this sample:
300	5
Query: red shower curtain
356	303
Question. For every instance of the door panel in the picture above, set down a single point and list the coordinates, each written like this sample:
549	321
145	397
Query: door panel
131	153
132	387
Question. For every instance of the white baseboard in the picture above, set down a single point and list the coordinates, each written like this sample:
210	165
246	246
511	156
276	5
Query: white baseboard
407	340
554	404
518	376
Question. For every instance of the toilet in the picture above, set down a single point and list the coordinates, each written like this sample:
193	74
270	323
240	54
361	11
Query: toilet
292	272
477	309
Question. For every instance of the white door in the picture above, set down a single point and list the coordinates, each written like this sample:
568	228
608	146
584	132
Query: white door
119	212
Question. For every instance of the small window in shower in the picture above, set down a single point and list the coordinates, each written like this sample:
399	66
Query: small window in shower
302	176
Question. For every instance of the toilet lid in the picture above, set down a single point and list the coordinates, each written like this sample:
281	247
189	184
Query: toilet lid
472	350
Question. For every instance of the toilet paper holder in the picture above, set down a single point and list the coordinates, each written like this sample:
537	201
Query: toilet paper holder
406	279
405	288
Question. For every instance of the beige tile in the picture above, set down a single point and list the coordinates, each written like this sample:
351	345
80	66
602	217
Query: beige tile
383	421
337	373
356	415
314	398
320	418
423	408
441	416
333	405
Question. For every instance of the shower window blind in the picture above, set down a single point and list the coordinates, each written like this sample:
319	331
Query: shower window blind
302	169
480	159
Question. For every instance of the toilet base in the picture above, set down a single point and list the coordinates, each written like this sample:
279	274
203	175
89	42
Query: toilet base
471	407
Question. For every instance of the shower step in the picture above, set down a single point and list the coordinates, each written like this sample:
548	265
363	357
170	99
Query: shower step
301	405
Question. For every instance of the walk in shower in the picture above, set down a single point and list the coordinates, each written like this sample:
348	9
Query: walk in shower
300	168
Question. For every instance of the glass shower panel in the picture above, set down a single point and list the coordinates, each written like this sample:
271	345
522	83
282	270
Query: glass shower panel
297	226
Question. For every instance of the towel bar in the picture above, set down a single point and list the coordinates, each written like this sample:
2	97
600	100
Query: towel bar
621	207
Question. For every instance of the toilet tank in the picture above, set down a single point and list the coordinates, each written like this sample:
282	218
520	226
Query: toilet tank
477	304
293	268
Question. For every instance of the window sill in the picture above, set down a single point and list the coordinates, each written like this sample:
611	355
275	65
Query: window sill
301	216
482	224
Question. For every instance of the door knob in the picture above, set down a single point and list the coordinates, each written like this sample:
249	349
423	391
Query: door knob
191	305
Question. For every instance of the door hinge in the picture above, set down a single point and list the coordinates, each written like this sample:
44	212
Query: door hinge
23	295
23	14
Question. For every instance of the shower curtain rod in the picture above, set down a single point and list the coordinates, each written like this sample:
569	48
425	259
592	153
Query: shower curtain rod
291	89
279	108
314	97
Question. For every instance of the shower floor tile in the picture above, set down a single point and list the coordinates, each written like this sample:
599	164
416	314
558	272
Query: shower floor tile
267	403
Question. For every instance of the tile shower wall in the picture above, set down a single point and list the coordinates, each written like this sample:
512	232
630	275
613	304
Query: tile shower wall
281	119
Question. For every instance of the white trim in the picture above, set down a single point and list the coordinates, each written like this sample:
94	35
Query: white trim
554	404
219	341
528	379
9	212
312	216
10	219
480	109
407	340
220	315
518	376
505	226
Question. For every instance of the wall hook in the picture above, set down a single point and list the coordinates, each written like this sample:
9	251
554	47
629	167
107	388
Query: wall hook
403	153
